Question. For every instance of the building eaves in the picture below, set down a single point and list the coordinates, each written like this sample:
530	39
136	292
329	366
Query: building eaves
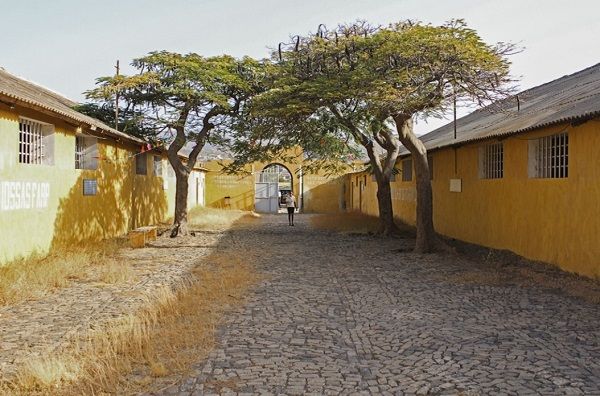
29	94
572	98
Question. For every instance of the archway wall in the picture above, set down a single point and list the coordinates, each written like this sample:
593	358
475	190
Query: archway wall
240	188
316	192
220	185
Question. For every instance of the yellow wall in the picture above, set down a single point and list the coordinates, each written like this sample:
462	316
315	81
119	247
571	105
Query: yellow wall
124	200
552	220
318	192
323	193
239	188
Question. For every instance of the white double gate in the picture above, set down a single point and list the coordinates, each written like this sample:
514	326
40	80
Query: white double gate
266	197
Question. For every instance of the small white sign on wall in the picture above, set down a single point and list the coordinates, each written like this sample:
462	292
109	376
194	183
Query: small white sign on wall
455	185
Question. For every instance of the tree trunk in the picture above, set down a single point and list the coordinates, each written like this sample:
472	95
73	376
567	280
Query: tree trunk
180	223
427	239
386	211
383	174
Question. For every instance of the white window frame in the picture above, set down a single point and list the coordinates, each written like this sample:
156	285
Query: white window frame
549	157
86	152
36	142
407	165
157	165
491	161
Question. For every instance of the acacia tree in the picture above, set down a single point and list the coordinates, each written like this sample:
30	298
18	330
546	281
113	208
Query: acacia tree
319	108
370	83
417	69
183	101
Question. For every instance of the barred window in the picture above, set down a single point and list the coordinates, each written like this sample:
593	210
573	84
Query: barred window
549	157
86	152
157	166
36	142
491	161
407	170
141	164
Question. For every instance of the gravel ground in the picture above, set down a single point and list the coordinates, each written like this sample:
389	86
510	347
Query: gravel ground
351	314
43	326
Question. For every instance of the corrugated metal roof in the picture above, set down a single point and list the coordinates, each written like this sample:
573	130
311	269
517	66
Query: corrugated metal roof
30	94
569	98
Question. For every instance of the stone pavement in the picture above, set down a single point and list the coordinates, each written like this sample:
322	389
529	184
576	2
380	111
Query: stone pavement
347	314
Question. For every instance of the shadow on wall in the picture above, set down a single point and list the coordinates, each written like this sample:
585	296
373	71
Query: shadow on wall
327	197
123	201
243	201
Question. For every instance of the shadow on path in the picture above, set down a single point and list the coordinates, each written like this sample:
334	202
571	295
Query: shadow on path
338	314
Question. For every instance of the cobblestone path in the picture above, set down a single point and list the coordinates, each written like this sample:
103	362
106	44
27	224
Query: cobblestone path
343	314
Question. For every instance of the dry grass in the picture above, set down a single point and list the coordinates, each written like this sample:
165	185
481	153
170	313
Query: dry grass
174	330
32	277
529	275
200	217
113	271
355	223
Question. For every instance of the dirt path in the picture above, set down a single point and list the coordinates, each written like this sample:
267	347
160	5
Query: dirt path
342	314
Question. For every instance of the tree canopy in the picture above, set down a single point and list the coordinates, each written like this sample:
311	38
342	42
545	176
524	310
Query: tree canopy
183	101
363	85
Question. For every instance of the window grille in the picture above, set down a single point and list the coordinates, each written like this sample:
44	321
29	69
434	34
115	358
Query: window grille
86	152
141	164
35	142
407	170
157	169
79	152
549	157
491	163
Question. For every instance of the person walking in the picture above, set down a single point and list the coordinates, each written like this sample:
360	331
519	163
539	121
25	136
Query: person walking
290	203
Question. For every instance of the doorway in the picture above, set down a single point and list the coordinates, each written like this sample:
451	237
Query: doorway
272	184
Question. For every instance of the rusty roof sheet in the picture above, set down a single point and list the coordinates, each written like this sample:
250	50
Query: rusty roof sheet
29	94
570	98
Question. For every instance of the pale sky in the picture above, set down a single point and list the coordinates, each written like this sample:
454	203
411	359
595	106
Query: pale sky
65	44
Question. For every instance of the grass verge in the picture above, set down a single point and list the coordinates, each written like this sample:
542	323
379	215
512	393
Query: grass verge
503	268
355	223
202	217
174	330
32	277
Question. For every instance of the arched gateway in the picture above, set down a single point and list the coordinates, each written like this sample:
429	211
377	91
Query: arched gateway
272	183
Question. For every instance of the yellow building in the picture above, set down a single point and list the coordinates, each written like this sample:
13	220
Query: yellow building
262	185
522	175
67	178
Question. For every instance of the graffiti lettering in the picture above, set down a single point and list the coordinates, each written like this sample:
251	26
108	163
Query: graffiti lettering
15	195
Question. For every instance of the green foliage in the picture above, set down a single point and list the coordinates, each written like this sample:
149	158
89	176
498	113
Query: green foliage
190	94
345	86
130	122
